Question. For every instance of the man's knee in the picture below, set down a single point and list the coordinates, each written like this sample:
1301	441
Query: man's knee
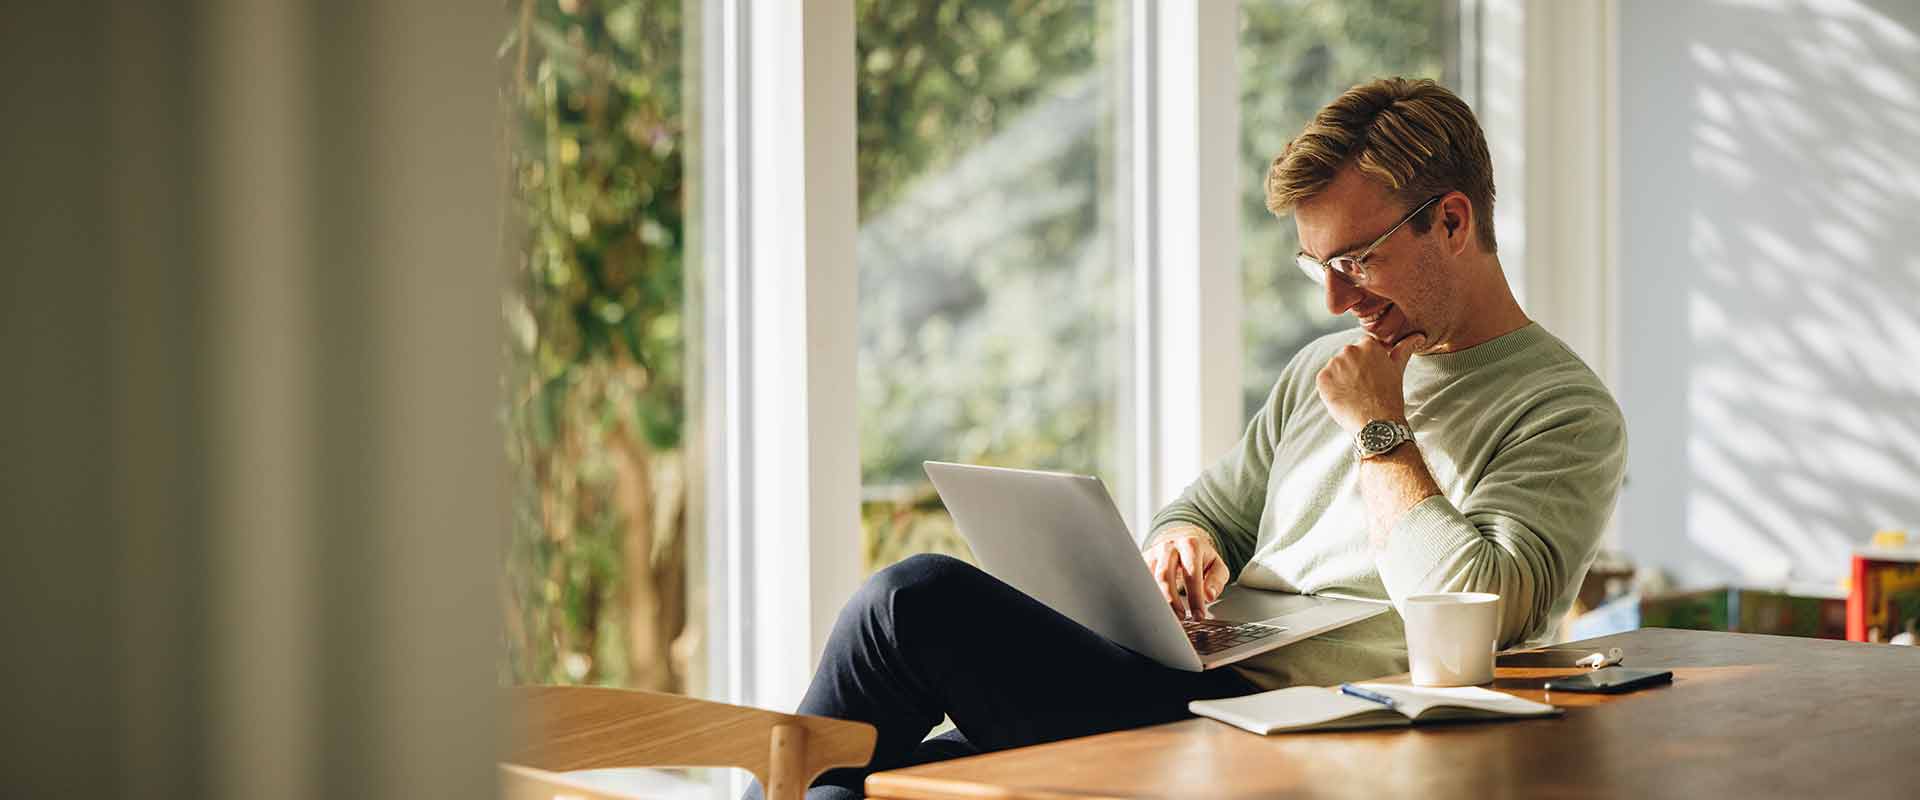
897	588
925	569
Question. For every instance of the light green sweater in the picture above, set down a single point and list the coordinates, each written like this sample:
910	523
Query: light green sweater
1526	445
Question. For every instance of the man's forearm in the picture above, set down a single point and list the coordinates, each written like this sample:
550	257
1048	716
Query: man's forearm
1391	483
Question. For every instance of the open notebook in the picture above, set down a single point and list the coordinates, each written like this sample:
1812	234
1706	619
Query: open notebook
1324	708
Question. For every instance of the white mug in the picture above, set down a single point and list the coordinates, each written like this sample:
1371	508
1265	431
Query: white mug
1451	637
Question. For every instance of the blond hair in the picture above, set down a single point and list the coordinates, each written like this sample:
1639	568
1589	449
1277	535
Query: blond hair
1414	136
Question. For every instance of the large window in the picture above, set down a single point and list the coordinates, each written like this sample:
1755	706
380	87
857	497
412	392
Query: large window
993	297
998	232
1295	55
598	588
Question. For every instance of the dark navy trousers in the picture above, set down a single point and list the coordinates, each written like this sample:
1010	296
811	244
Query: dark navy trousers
934	637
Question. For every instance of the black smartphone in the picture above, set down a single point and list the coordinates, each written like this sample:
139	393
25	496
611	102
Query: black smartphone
1610	680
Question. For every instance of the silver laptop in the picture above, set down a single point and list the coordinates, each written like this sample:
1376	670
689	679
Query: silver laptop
1058	538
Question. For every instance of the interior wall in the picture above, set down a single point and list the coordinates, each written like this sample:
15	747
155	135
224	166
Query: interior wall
1769	283
252	485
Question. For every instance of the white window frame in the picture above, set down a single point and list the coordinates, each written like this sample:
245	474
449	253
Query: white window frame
1549	101
779	220
1547	97
1572	109
1186	244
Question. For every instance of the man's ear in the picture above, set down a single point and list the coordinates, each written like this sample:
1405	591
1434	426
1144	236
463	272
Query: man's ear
1456	220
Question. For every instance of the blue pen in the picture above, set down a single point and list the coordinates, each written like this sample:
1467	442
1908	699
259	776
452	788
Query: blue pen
1355	691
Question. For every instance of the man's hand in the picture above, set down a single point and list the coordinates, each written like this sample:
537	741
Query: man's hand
1363	382
1186	566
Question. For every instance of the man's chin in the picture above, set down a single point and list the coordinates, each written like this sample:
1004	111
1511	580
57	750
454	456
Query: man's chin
1386	335
1390	336
1403	336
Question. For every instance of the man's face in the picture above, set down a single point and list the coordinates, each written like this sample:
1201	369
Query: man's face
1410	286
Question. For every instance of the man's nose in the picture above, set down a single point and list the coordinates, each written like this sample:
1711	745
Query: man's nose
1342	295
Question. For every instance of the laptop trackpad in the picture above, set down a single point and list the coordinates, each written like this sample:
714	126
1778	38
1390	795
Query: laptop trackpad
1241	604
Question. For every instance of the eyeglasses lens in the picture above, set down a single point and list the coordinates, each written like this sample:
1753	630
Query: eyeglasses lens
1343	268
1312	269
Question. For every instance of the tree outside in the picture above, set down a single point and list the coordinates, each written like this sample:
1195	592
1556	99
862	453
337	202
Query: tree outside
993	304
597	585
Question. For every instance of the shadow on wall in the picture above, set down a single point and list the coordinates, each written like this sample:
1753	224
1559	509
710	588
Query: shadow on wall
1771	283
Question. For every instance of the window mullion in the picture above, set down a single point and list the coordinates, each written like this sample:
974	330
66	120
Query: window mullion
1187	243
786	465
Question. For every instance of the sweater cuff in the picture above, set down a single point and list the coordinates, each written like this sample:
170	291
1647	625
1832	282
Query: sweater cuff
1423	541
1181	520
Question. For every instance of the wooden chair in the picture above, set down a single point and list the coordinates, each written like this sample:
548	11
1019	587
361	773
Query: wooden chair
579	727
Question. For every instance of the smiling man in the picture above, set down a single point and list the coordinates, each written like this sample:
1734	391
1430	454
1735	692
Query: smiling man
1447	444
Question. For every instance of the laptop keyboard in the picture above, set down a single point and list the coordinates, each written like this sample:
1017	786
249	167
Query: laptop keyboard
1211	636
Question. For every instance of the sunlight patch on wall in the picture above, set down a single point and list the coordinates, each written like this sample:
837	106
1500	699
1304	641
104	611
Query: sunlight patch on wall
1801	289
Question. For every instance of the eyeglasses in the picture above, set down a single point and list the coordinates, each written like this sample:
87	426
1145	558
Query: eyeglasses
1352	268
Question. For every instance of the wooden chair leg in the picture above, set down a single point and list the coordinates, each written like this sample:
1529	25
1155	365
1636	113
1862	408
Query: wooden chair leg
787	776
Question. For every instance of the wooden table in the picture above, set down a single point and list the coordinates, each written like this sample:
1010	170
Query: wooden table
1747	716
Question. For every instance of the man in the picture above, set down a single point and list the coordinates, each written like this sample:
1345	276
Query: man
1449	444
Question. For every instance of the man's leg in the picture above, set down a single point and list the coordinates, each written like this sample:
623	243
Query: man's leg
933	636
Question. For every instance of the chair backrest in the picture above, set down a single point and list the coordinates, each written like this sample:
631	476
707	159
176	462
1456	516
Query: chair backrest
580	727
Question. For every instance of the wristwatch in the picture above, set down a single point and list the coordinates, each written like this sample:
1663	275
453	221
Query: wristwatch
1379	437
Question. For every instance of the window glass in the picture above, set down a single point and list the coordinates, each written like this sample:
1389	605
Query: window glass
597	588
1295	56
993	304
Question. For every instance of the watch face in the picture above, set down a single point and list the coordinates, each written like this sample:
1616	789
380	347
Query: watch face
1377	436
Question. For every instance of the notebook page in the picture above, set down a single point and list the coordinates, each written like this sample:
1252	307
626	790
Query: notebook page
1297	708
1417	700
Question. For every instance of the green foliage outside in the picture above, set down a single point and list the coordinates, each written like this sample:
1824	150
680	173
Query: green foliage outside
594	394
992	310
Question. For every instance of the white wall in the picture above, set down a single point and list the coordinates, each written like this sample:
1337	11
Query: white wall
1769	283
